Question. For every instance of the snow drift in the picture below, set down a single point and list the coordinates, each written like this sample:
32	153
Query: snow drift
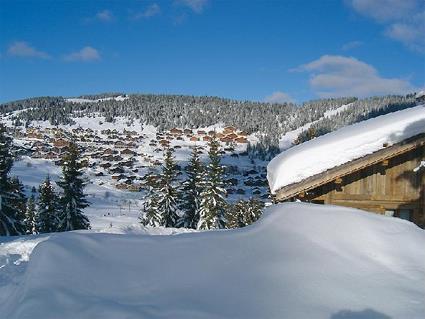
298	261
346	144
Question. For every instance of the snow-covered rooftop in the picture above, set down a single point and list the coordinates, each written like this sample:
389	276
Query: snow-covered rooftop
344	145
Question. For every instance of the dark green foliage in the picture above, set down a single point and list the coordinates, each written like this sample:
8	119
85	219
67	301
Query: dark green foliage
150	214
168	197
162	200
191	192
244	213
12	199
19	199
48	208
73	199
213	203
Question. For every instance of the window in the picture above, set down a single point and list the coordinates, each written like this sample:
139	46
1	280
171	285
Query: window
389	212
405	214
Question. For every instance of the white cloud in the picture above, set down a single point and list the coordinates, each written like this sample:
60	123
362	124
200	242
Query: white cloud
151	11
197	6
86	54
24	50
333	75
384	10
278	97
101	16
411	33
104	15
403	20
351	45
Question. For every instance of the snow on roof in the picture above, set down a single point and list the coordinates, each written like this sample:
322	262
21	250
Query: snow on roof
344	145
420	94
299	261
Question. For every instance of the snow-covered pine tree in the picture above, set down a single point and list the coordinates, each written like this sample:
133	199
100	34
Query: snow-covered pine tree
191	192
19	199
31	216
244	213
168	196
213	204
11	221
73	199
47	212
150	215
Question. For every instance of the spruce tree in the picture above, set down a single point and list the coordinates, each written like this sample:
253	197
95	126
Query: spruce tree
213	203
11	221
31	216
191	192
168	196
47	213
150	213
73	199
244	213
19	199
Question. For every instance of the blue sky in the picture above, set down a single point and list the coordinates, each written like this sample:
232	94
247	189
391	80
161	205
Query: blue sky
288	50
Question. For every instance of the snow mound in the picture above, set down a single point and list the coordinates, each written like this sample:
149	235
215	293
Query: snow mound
346	144
299	261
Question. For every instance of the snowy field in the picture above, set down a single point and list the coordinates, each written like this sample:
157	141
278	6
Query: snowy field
299	261
109	207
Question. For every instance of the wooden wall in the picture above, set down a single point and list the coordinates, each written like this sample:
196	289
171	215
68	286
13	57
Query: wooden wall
390	185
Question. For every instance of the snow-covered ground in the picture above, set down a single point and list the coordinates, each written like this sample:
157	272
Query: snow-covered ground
299	261
109	207
346	144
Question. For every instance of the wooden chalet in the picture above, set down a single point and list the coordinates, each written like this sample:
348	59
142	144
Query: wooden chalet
385	182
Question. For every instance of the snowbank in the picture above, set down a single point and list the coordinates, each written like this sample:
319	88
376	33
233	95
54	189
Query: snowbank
346	144
299	261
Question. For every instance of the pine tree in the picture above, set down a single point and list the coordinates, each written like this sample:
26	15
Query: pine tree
47	213
19	199
213	203
168	197
150	213
31	216
191	192
11	222
244	213
73	199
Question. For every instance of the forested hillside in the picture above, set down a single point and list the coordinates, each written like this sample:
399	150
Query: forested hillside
271	121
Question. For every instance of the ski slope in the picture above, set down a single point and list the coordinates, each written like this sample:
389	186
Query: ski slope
299	261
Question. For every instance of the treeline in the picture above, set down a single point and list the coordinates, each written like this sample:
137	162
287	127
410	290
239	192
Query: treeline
168	111
49	211
199	200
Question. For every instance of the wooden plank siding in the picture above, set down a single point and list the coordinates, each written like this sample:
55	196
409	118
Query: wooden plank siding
377	182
